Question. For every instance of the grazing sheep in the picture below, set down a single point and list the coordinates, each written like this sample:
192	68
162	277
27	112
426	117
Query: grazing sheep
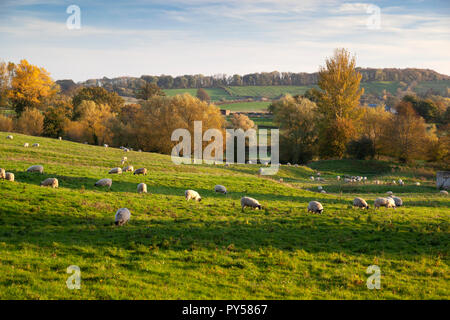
323	191
249	162
36	168
122	162
281	180
221	189
128	169
105	145
2	173
126	150
397	200
260	171
444	192
122	216
296	165
10	137
377	182
417	183
311	178
288	164
59	138
319	187
50	182
360	203
400	182
250	202
347	180
26	145
384	202
318	174
227	164
9	176
115	170
191	194
389	193
315	207
140	171
142	188
124	159
103	183
338	178
35	145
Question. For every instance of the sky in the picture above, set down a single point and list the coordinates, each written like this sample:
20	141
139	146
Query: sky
176	37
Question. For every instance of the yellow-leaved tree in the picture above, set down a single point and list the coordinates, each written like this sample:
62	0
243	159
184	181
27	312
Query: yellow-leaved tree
31	87
338	103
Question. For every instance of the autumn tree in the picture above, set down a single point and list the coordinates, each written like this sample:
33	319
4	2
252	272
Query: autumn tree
297	119
98	95
4	83
241	121
338	103
6	124
374	123
94	118
31	87
31	122
203	95
56	117
149	90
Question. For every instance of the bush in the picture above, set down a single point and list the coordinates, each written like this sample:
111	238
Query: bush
31	122
6	124
361	149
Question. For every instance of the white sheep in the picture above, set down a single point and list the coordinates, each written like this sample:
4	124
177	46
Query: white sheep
142	188
36	168
140	171
319	187
128	169
26	145
9	176
311	178
323	191
389	193
115	170
360	203
398	201
288	164
281	180
384	202
444	192
36	145
10	137
59	138
296	165
318	174
260	171
122	216
50	182
105	145
124	159
400	182
249	162
315	207
104	183
2	173
338	178
250	202
191	194
417	183
221	189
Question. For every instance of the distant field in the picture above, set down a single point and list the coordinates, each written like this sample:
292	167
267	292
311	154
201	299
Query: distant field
214	93
246	106
377	87
270	92
439	85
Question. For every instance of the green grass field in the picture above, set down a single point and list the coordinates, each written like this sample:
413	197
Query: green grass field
174	249
246	106
270	92
214	93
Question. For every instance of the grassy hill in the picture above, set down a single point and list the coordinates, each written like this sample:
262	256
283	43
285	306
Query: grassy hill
174	249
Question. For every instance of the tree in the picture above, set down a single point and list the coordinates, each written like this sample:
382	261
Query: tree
361	148
149	90
374	123
297	119
6	124
56	118
31	87
338	103
407	134
94	119
203	95
98	95
4	83
241	121
31	122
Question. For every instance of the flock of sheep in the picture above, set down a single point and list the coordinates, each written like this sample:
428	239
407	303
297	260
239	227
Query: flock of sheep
123	215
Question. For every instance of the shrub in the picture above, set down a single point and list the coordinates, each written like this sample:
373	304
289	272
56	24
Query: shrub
31	122
362	148
6	124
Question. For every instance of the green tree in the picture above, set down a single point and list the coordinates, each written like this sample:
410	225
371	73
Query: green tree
149	90
98	95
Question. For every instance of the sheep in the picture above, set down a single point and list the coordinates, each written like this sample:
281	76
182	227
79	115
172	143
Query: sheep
377	182
140	171
126	150
50	182
105	145
260	171
384	202
400	182
10	137
389	193
2	173
103	183
311	178
128	169
59	138
36	145
191	194
26	145
397	200
360	203
288	164
417	183
142	188
249	162
221	189
315	207
9	176
115	170
338	178
250	202
323	191
318	174
443	192
122	216
281	180
319	187
122	162
227	164
124	159
36	168
347	180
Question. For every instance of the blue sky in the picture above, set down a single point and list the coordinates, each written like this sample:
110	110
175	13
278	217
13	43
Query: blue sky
131	38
